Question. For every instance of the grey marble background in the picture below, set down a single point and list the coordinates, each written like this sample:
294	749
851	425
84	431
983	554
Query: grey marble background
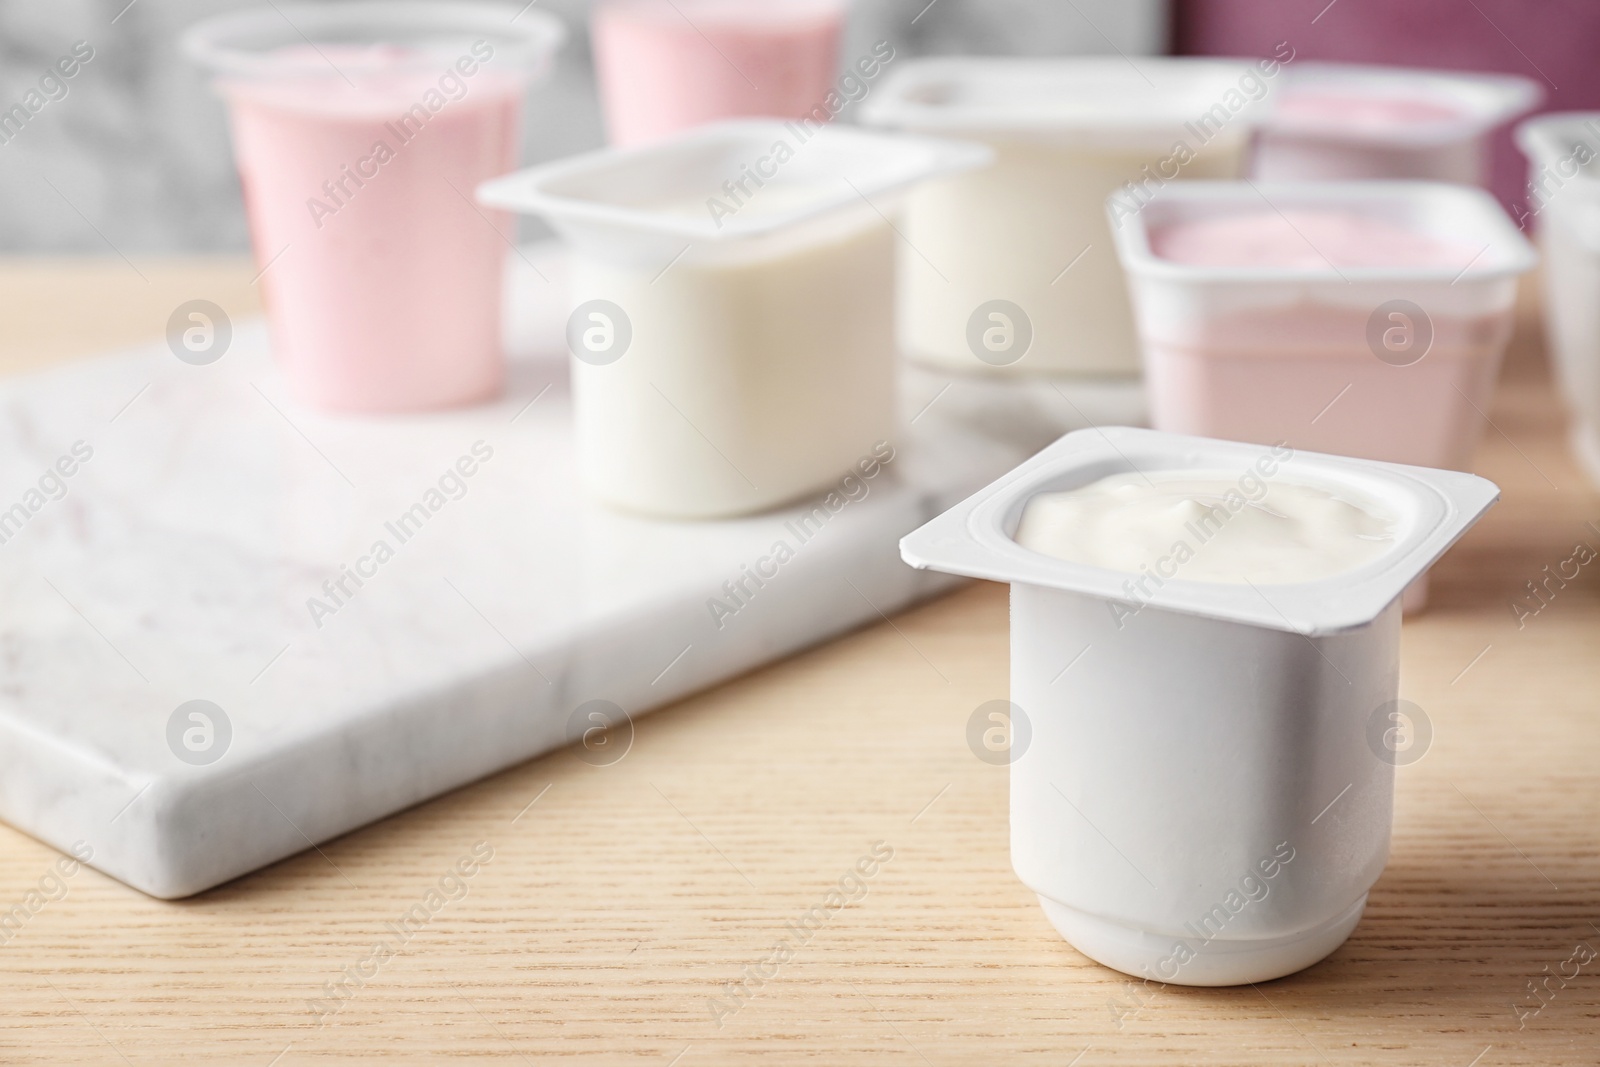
135	159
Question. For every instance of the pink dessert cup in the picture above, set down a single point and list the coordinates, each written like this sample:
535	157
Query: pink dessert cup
360	130
1391	363
1347	121
668	65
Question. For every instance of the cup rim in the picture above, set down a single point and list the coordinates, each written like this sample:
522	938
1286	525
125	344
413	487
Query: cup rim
1185	85
1130	230
1434	509
682	10
536	190
215	43
1538	137
1489	99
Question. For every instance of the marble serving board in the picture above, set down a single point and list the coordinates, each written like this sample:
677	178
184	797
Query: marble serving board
199	550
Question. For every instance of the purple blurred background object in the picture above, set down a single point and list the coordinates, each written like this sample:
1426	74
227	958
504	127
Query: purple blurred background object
1552	42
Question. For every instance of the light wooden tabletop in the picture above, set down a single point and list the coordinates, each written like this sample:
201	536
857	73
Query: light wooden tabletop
618	900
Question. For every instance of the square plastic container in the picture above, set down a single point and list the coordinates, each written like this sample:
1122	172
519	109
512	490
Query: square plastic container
1342	121
732	332
1562	150
1010	270
1387	363
359	129
1222	731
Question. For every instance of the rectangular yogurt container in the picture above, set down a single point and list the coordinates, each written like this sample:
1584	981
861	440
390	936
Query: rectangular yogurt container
1386	363
733	289
1010	269
1172	744
1343	143
1565	193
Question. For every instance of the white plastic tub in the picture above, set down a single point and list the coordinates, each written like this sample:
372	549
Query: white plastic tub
1341	121
1010	269
732	329
1220	731
1565	199
1310	355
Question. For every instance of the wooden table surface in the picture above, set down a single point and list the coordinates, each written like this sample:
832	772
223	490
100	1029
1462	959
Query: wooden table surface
620	899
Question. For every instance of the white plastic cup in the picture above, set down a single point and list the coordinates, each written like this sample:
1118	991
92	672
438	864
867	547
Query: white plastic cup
1203	792
1010	270
1344	121
732	331
1564	194
1269	353
360	130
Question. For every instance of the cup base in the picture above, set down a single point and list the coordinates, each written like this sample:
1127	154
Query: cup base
1216	963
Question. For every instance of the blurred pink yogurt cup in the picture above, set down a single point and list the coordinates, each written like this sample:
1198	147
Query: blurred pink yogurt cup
668	65
1340	121
360	131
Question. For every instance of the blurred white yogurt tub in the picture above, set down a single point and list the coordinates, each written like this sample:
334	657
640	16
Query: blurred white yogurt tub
1201	785
1564	195
1011	269
1337	121
733	289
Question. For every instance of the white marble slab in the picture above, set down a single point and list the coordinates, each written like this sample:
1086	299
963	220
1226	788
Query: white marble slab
179	563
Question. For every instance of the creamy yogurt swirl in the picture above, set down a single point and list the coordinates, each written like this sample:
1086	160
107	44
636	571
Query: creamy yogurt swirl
1206	526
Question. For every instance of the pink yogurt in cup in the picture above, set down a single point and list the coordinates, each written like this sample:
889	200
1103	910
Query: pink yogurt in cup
1345	121
667	65
360	131
1353	111
1304	238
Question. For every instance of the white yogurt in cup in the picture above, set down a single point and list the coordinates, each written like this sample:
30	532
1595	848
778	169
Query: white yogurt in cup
1153	522
1564	195
1205	796
1341	121
1011	269
733	289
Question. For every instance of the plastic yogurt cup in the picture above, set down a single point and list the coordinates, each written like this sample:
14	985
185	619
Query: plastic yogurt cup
1205	793
360	130
1363	318
1338	121
732	332
1011	270
667	65
1564	194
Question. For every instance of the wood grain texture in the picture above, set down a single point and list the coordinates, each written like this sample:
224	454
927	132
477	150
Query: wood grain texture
620	899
